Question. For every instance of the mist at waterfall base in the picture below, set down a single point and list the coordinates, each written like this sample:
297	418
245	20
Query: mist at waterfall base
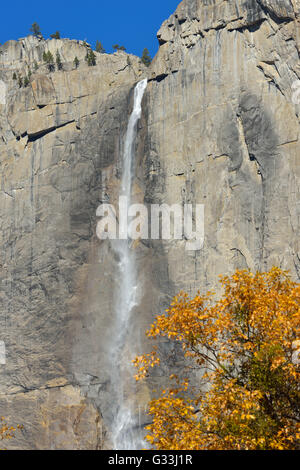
125	430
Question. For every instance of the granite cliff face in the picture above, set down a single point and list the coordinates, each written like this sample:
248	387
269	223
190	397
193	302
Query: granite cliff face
220	127
60	140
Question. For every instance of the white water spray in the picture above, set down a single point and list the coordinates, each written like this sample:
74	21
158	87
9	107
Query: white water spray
125	426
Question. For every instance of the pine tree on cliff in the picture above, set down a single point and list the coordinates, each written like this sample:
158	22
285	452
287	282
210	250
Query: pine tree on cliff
48	58
56	35
76	62
90	58
35	30
58	61
116	47
146	59
99	47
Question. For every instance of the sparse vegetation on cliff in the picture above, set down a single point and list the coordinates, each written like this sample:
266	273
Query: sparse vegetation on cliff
49	60
76	62
243	348
55	35
26	81
116	47
146	59
20	81
36	30
58	61
90	58
99	47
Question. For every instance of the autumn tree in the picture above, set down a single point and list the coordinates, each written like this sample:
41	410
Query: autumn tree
244	350
6	431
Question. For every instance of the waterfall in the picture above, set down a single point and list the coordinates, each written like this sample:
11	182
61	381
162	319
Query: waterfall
125	428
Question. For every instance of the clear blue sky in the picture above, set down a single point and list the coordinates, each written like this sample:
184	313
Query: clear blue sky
132	23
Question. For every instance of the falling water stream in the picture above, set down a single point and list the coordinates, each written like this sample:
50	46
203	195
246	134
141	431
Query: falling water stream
125	426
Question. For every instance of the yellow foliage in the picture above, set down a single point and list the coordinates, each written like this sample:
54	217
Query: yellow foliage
242	346
6	431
